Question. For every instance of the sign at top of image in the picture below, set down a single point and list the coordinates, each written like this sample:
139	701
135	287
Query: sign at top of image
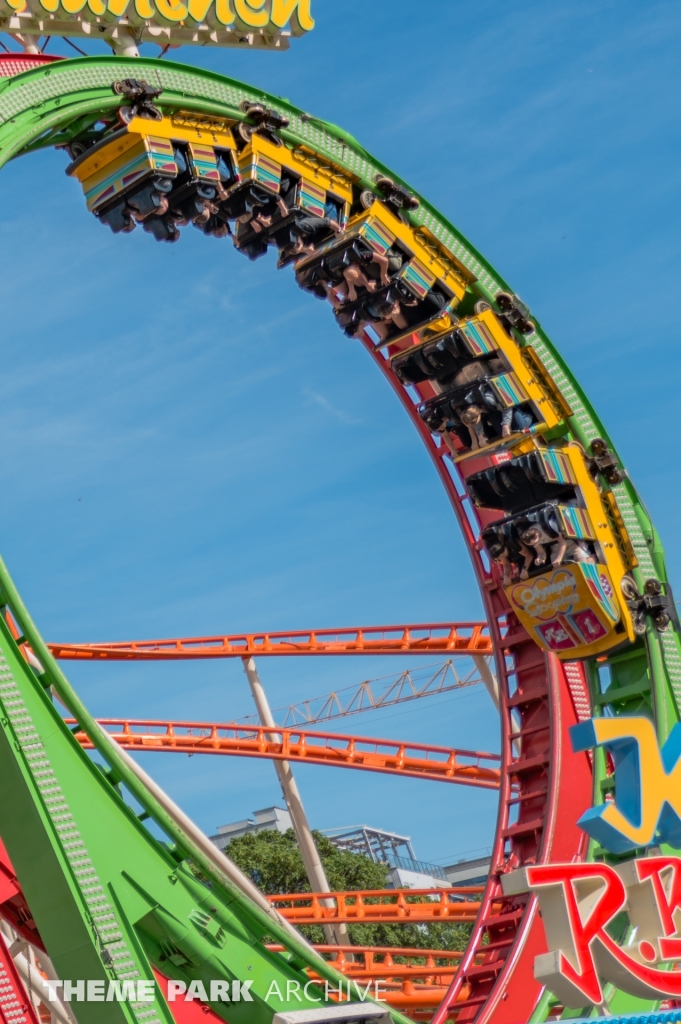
255	24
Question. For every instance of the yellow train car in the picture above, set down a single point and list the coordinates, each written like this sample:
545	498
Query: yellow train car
166	170
382	275
285	198
478	370
565	561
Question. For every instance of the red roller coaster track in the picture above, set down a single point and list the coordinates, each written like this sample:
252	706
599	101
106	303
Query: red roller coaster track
542	782
394	757
424	638
15	1006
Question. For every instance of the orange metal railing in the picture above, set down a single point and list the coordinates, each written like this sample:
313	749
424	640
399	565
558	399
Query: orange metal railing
426	638
416	988
366	963
372	906
415	760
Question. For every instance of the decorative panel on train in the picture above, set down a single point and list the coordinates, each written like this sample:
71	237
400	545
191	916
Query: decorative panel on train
562	567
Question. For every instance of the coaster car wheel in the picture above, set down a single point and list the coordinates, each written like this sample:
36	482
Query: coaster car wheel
269	121
367	198
505	302
395	195
639	623
76	149
629	589
250	108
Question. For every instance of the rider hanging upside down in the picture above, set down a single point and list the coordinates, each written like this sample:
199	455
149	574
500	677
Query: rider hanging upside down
536	541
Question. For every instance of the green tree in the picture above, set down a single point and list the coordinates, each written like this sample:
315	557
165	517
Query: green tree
272	860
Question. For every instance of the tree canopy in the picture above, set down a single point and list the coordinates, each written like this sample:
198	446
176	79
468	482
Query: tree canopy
272	860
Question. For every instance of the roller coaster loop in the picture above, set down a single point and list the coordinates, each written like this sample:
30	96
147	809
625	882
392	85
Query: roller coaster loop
571	571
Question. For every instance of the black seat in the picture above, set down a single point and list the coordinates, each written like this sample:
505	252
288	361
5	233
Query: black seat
438	360
192	199
516	485
164	229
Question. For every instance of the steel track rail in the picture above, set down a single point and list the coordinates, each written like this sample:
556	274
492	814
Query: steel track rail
392	757
373	906
462	638
541	780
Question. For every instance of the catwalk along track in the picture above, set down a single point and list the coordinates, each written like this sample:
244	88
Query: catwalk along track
569	566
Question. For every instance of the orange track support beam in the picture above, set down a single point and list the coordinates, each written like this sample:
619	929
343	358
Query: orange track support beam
393	757
373	906
425	638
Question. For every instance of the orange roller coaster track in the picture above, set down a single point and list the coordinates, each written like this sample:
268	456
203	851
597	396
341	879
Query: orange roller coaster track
425	638
371	964
373	906
365	963
394	757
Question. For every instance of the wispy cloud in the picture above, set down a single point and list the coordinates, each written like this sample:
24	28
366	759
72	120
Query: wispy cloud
315	398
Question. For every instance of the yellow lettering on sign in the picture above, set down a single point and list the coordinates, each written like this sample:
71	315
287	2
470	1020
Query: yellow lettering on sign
252	13
117	7
197	10
171	10
224	12
296	11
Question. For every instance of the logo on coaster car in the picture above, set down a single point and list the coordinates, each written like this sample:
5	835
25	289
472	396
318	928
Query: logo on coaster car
548	596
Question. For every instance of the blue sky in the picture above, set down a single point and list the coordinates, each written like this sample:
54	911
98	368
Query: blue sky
190	446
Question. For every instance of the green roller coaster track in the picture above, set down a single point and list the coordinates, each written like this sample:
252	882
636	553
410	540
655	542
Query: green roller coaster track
113	910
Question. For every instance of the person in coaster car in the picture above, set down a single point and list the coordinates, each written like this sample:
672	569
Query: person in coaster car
385	314
506	552
536	539
471	417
